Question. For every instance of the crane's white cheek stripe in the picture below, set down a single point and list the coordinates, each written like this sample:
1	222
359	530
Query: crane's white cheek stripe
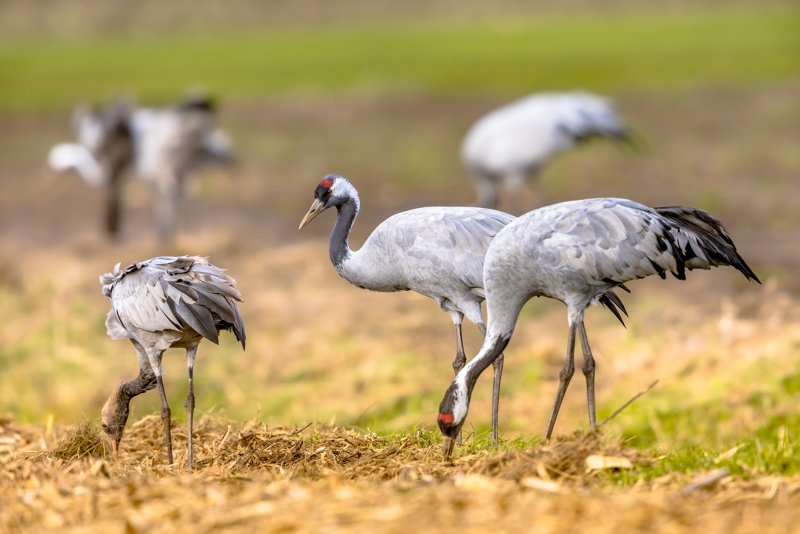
460	403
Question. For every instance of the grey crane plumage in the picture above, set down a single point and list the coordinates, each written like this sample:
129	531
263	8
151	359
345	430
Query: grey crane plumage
512	143
161	303
170	144
103	154
162	146
575	252
437	252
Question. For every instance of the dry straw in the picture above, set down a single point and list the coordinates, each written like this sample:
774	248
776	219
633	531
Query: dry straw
335	479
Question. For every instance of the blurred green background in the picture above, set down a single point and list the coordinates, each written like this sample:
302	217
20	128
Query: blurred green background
90	50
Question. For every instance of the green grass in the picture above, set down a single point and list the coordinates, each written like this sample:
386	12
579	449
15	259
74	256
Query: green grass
755	434
619	51
773	450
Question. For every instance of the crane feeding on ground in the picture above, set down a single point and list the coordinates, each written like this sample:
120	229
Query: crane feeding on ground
575	252
511	144
161	303
436	251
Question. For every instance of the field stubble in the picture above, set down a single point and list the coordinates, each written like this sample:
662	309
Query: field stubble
322	478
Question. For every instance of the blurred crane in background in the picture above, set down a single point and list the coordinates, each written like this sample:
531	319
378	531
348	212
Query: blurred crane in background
102	156
161	303
162	146
511	144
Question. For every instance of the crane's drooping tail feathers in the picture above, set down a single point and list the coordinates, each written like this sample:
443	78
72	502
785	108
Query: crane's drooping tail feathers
215	308
591	132
192	278
210	287
613	303
711	236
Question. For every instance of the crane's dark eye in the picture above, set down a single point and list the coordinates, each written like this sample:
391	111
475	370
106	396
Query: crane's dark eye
328	193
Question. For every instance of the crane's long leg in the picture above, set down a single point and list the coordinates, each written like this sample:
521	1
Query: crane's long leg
588	372
113	203
564	376
191	352
497	367
166	416
486	187
461	358
167	191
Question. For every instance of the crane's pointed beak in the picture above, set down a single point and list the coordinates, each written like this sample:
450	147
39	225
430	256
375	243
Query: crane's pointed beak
115	447
447	447
316	208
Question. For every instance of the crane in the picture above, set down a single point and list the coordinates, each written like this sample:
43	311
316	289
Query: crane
512	143
161	303
170	144
162	146
101	156
575	252
436	251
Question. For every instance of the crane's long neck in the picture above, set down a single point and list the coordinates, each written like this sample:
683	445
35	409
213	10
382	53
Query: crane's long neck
503	307
492	347
455	404
141	384
133	388
338	247
117	407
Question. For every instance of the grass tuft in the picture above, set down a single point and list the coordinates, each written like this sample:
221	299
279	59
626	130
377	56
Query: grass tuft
83	441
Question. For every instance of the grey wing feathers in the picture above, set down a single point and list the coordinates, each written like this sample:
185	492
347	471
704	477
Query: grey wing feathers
435	251
688	238
174	293
471	233
629	240
489	222
441	230
479	225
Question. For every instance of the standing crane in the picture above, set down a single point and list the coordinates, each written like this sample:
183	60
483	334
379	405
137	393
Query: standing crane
512	144
575	252
162	146
170	144
102	155
161	303
437	252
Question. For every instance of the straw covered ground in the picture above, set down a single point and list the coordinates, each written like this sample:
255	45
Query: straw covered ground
333	479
